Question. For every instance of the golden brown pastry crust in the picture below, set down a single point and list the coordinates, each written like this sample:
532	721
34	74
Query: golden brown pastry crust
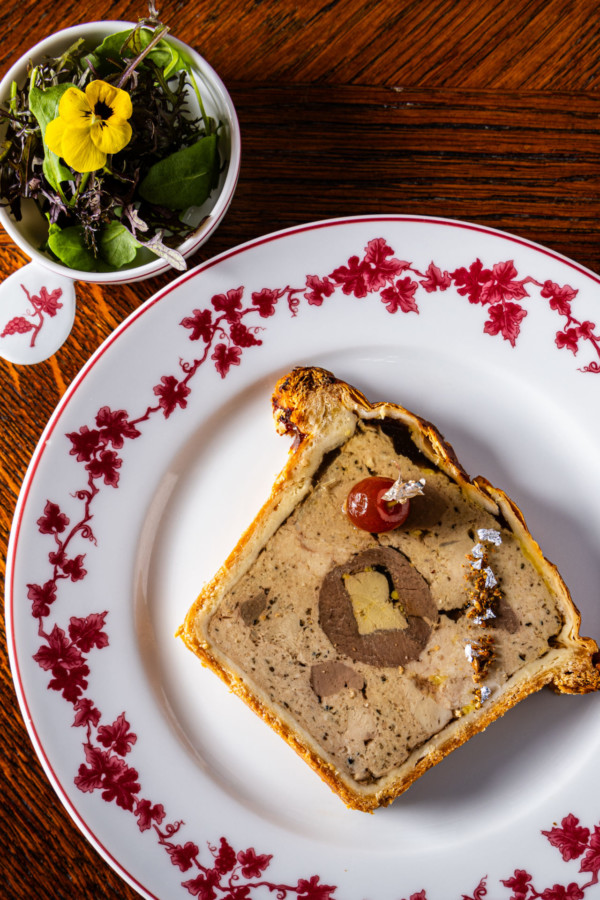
318	411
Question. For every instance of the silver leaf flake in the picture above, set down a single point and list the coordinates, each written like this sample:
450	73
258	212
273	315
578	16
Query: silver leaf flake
469	652
489	614
490	578
485	693
478	553
402	490
489	534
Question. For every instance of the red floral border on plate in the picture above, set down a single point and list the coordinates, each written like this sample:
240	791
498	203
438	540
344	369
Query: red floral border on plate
224	329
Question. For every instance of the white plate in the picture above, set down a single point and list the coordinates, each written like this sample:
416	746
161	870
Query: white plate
177	784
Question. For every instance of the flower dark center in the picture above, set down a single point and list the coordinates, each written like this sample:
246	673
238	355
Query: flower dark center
102	110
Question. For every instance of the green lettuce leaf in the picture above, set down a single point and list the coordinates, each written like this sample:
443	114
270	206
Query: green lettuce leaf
44	106
185	178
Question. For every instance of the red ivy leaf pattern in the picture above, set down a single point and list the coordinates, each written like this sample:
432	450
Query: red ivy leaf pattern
105	466
85	443
70	680
117	737
225	357
353	277
90	777
48	301
252	863
503	284
88	632
265	301
59	651
560	892
571	838
230	304
591	860
470	281
505	319
435	279
381	266
42	597
320	289
147	815
86	714
183	855
73	567
53	521
110	774
203	886
115	427
586	330
200	324
312	889
568	339
560	297
171	394
122	786
401	296
519	883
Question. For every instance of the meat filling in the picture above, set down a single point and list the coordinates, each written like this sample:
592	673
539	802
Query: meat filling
365	639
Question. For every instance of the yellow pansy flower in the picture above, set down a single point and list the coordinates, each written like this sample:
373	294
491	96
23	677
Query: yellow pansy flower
90	125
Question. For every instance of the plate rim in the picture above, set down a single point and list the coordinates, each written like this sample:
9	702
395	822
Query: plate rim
75	385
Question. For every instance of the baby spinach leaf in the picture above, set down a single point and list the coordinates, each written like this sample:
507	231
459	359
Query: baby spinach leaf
183	179
164	54
69	247
174	63
44	106
118	247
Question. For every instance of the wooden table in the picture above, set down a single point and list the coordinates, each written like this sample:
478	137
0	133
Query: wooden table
484	110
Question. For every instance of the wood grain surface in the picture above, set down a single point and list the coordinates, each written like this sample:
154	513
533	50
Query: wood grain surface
484	110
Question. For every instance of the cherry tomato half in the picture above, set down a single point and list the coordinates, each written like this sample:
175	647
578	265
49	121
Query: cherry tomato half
367	509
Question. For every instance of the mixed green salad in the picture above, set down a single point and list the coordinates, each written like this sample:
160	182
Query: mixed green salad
104	141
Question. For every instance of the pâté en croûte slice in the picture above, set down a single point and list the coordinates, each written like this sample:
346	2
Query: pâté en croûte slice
373	632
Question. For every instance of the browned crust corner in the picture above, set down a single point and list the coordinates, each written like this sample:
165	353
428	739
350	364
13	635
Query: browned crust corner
304	398
291	396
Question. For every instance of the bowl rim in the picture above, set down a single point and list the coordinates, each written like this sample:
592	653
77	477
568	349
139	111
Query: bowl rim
101	28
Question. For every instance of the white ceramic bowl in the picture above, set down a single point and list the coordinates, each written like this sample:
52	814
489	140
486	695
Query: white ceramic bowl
28	234
37	302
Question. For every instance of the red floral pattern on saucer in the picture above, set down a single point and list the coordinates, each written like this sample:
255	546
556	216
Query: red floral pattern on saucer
46	303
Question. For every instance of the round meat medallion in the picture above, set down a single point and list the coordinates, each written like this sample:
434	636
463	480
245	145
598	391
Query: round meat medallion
377	609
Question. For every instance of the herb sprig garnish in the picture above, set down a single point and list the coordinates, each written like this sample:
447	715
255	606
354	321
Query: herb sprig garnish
129	208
